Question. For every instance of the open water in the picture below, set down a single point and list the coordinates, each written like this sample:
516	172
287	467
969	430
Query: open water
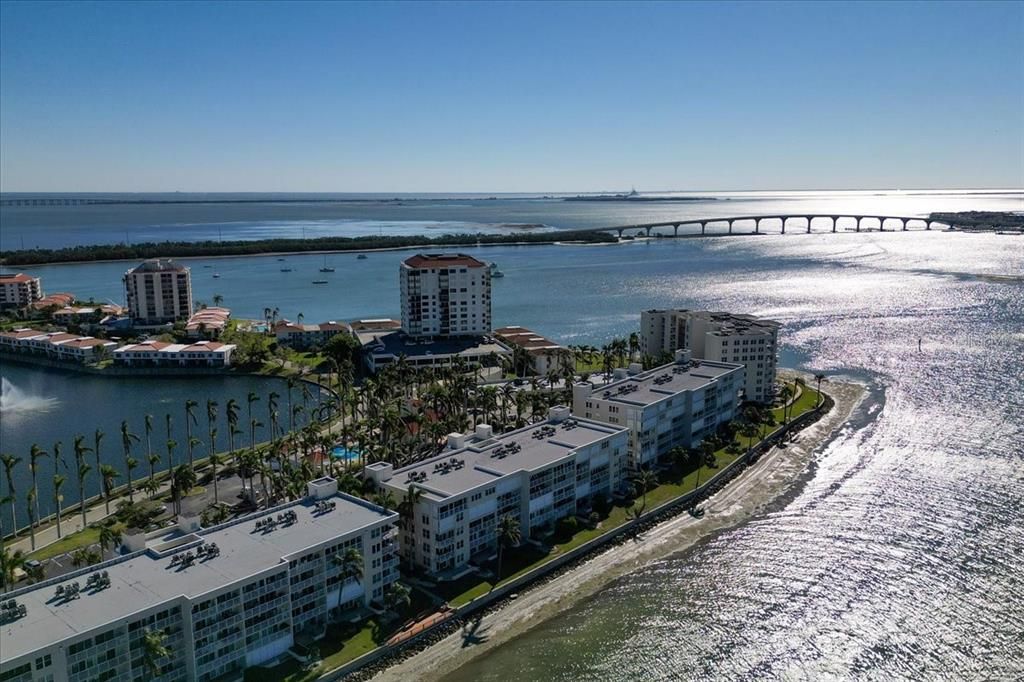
899	555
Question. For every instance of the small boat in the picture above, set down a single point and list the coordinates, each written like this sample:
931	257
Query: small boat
207	266
325	268
497	273
286	269
319	281
216	275
281	259
361	256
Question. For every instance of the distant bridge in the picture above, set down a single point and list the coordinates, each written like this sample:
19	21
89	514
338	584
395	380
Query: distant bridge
805	223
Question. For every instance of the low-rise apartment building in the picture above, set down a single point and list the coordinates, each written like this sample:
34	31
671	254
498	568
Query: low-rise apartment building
225	598
207	323
721	337
675	405
164	354
537	474
302	336
18	290
56	345
545	355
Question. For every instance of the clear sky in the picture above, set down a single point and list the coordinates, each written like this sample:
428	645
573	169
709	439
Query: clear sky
510	97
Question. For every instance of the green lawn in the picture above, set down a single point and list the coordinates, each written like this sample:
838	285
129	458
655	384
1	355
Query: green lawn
806	402
341	645
69	543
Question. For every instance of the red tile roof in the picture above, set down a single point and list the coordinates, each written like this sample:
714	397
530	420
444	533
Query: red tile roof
19	278
443	260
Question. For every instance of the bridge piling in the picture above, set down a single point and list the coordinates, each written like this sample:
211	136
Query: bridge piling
675	230
783	219
730	227
703	226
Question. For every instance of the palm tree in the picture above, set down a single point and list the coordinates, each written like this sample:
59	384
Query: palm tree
10	562
272	412
126	445
154	645
110	536
215	461
190	419
30	500
211	422
819	377
148	426
509	535
231	412
82	470
183	479
58	483
351	568
407	507
108	475
250	399
9	462
97	438
217	300
644	480
35	454
167	424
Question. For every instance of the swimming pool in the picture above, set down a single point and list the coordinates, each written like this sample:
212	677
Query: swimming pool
341	452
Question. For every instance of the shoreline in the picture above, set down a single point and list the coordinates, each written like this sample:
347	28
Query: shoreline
751	493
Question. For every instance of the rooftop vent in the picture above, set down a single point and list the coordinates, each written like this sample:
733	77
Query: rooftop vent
98	581
324	506
12	610
69	592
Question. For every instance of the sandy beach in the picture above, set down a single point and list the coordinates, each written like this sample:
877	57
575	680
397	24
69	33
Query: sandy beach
744	498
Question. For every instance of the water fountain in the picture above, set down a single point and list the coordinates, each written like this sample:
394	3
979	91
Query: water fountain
13	399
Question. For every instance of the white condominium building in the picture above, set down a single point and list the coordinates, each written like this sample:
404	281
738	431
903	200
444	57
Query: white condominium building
673	405
718	336
224	598
537	474
19	290
158	291
445	295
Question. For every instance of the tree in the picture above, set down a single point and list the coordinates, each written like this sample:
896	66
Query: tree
85	557
407	507
58	497
127	437
644	481
509	535
10	562
35	454
342	348
384	498
148	427
819	377
110	537
217	300
183	479
250	399
350	565
9	462
82	470
29	502
97	438
108	475
154	647
231	412
190	420
170	450
397	597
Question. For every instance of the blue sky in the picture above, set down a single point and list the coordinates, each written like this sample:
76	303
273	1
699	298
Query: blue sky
510	97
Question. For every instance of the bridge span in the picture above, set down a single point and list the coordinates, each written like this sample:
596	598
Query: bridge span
805	224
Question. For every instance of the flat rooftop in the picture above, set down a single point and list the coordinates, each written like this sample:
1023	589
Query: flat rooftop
486	461
397	343
442	260
147	577
659	383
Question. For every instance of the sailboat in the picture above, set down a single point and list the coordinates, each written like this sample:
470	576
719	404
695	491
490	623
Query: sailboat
325	268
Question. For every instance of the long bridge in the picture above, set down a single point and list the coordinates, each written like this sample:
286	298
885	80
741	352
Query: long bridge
805	223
